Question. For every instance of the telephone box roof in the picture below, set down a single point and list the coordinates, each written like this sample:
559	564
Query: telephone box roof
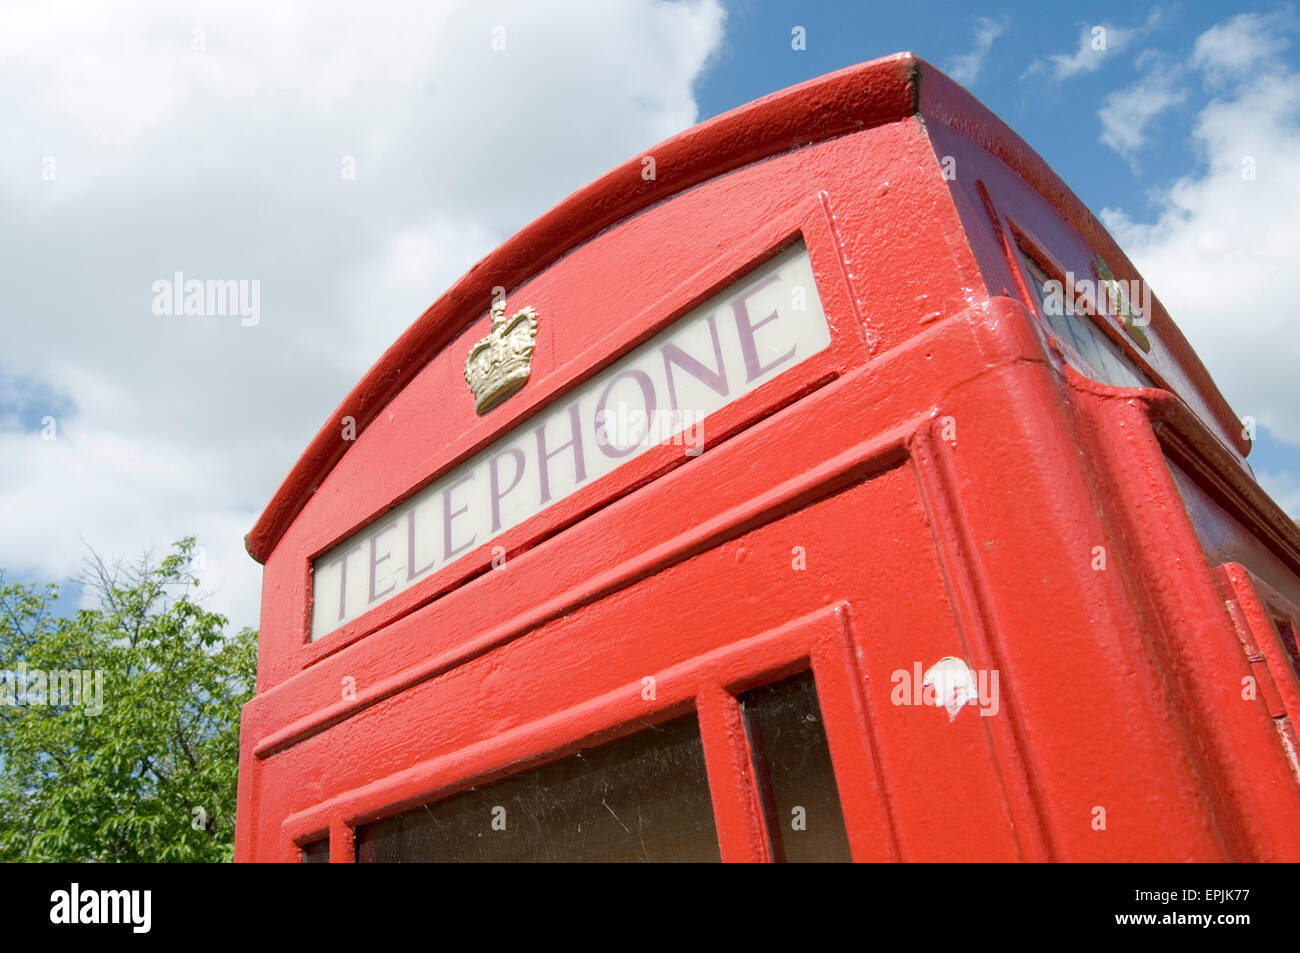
851	100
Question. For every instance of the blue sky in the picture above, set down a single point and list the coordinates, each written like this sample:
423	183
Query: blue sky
1053	108
1055	116
215	138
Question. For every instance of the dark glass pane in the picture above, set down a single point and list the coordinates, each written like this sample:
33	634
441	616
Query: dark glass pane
1286	629
644	797
792	764
317	852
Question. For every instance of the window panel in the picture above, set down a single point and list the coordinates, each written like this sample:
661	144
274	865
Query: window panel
792	764
644	797
317	852
1089	349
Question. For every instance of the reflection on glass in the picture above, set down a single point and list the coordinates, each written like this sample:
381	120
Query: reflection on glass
644	797
792	764
1090	350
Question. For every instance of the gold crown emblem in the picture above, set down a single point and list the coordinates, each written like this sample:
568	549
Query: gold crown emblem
499	364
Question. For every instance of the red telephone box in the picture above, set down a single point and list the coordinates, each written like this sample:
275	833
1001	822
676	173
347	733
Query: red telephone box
835	492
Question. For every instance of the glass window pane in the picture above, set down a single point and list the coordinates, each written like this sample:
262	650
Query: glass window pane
317	852
792	764
1286	631
1091	351
644	797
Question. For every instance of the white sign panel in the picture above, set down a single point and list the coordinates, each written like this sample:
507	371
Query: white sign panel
662	392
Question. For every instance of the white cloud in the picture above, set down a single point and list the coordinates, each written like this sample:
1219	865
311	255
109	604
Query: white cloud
1126	114
966	67
1221	252
1231	50
209	138
1284	488
1096	45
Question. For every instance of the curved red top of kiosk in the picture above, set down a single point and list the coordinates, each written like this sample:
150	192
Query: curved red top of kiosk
861	97
921	467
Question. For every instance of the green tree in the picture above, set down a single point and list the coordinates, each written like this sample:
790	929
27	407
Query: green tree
149	777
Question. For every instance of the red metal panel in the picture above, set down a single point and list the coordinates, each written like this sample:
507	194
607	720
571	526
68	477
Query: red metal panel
579	677
935	484
1195	662
1255	607
731	777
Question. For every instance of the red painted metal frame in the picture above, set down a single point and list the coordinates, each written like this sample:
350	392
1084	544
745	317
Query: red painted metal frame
708	684
1248	794
1254	606
948	478
851	100
808	221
